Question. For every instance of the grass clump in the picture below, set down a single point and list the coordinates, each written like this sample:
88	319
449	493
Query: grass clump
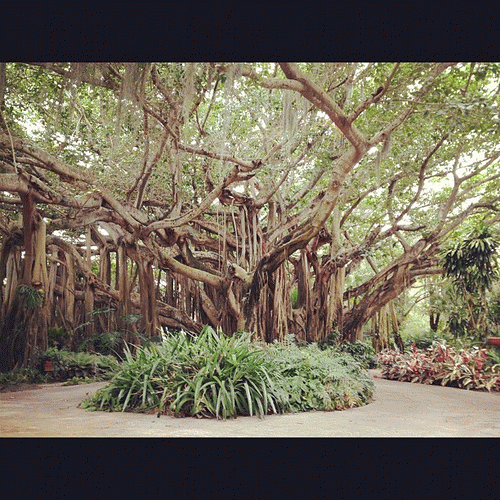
209	375
214	375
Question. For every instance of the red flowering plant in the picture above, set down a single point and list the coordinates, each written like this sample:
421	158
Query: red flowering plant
442	364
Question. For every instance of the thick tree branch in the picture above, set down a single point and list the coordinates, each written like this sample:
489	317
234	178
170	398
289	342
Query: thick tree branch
323	101
106	82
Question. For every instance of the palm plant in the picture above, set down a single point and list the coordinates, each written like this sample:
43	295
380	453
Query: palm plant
473	267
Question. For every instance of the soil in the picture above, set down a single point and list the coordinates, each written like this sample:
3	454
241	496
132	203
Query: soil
398	409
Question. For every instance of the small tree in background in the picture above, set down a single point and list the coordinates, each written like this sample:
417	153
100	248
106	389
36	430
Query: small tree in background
473	267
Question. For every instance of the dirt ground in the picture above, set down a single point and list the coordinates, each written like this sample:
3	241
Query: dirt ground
399	409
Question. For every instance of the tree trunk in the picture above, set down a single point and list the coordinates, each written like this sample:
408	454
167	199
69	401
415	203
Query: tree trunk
122	283
25	316
434	321
148	297
335	313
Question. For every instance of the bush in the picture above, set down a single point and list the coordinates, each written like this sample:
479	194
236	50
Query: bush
422	340
493	356
441	364
361	352
213	375
109	343
206	375
78	381
319	379
66	364
25	375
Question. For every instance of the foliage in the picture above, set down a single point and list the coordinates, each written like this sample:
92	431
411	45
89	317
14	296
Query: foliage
26	375
493	311
362	352
441	364
78	381
147	341
331	340
422	340
493	356
472	262
468	341
215	375
67	365
57	337
319	379
32	297
109	343
206	375
472	265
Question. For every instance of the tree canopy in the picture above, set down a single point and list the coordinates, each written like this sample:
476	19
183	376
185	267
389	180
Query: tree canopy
275	198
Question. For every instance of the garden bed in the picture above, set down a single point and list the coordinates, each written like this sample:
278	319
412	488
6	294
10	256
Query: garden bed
213	375
441	364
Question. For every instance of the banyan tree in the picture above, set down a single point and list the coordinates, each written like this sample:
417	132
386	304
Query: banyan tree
272	198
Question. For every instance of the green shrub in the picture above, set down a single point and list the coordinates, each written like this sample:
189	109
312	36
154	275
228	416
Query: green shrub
78	381
493	356
104	343
66	364
332	340
57	337
319	379
206	375
32	297
423	340
25	375
213	375
146	341
466	342
361	352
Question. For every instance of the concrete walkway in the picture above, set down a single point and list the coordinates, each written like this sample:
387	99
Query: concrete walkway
398	409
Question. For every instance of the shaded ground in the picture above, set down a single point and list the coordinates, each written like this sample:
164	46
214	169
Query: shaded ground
19	386
398	409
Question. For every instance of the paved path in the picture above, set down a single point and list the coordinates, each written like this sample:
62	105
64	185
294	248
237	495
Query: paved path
398	409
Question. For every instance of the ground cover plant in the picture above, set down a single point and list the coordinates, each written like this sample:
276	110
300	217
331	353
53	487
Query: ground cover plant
467	368
68	367
422	340
27	376
206	375
314	378
215	375
77	365
360	351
